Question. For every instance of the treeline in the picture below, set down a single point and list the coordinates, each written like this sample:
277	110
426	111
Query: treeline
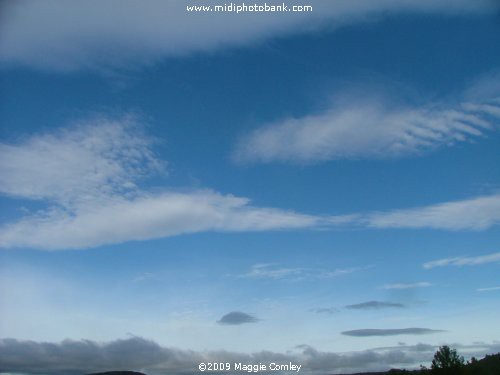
447	362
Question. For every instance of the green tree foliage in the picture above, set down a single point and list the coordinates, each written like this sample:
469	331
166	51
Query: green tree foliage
447	361
489	365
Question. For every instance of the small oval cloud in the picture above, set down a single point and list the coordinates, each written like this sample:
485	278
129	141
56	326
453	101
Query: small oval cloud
236	318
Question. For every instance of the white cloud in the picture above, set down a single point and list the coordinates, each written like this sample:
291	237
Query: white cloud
89	177
471	214
54	34
269	271
146	217
368	129
484	87
422	284
464	261
342	271
90	160
492	289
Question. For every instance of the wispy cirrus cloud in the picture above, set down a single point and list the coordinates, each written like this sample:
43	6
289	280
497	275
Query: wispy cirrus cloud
370	128
477	213
144	217
89	177
490	289
55	35
342	271
421	284
272	271
368	305
276	272
464	261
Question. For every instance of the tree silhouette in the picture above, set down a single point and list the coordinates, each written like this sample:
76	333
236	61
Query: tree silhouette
447	361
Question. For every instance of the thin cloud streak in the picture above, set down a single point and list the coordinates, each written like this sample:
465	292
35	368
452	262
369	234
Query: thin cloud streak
374	305
464	261
325	310
342	271
390	332
422	284
478	213
146	217
492	289
272	271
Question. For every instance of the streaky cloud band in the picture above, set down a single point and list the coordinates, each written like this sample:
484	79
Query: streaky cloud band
390	332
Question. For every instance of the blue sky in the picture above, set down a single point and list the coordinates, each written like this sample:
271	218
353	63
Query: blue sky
248	186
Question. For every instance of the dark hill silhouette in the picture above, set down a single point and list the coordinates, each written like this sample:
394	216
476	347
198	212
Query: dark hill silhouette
391	372
489	365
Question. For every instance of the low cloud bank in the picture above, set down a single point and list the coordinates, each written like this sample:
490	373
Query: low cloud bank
139	354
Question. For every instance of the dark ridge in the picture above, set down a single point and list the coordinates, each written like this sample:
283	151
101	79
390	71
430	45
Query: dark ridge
489	365
390	372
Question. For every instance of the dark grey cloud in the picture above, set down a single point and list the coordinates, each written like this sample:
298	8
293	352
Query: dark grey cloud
236	318
325	310
390	332
423	347
374	305
137	354
79	357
